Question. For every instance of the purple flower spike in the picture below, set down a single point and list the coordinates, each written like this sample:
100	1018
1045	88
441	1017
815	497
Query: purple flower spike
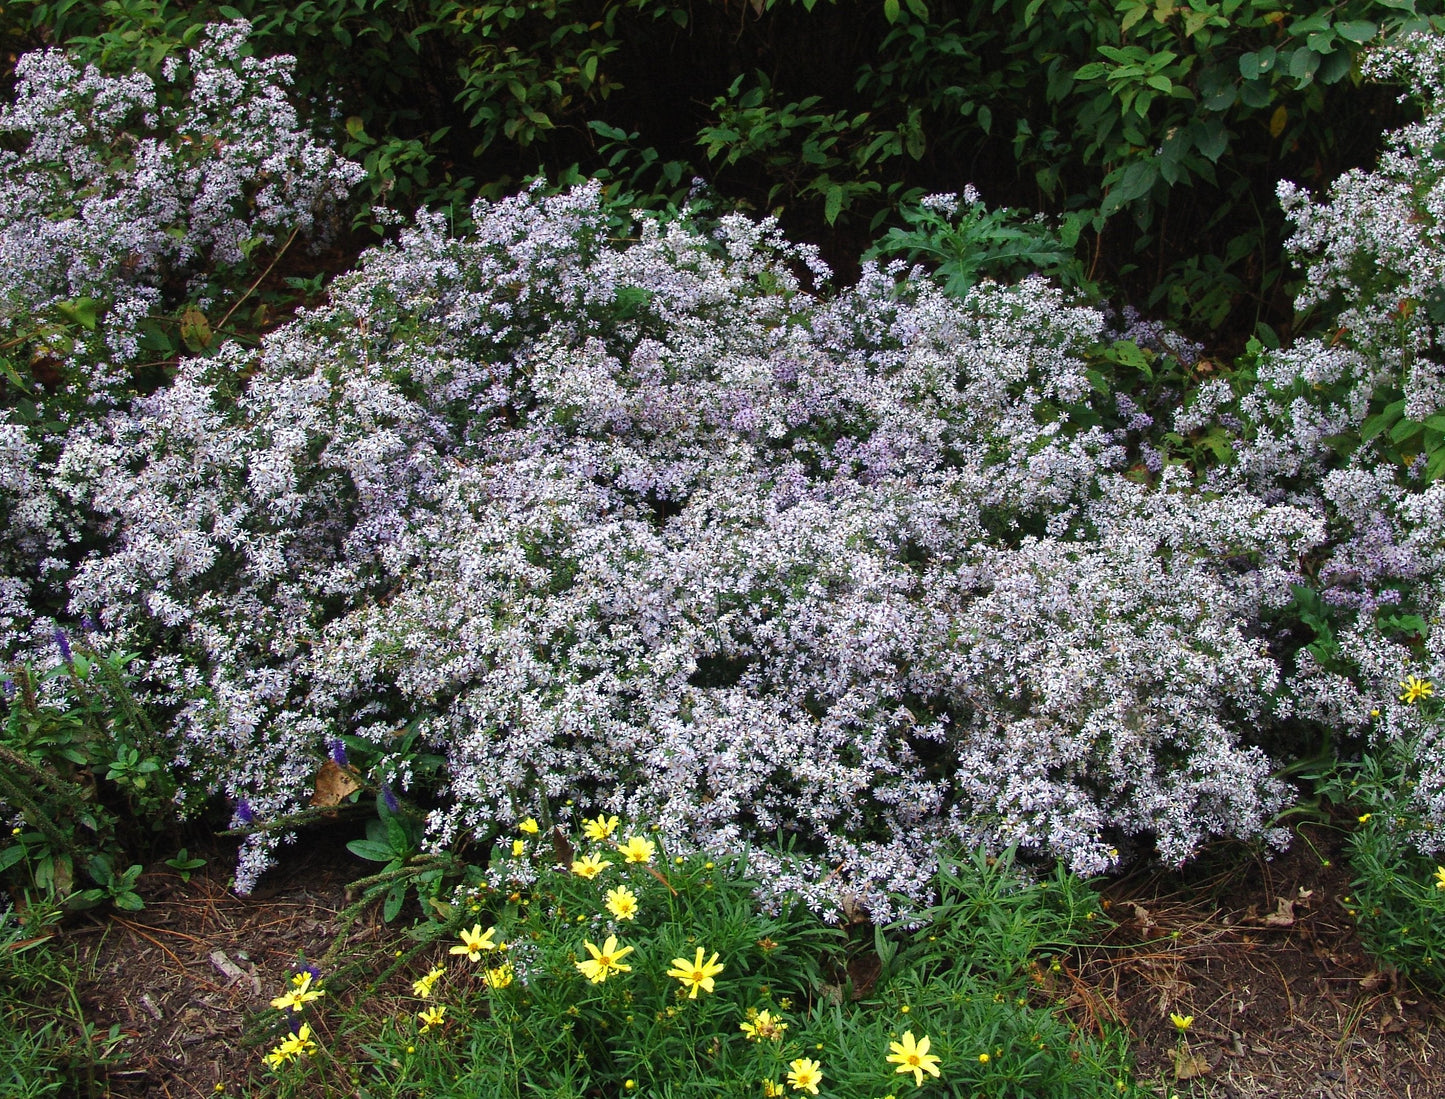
63	643
338	752
87	624
244	814
389	799
314	970
9	688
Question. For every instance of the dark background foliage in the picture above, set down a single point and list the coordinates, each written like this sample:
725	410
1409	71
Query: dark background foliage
1164	125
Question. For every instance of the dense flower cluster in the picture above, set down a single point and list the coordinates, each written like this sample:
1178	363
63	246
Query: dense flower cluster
1347	425
655	527
121	199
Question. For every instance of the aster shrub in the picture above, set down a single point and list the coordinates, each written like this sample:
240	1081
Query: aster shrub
1349	423
652	524
134	215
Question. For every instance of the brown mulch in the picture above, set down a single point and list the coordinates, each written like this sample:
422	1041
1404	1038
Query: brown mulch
187	978
1285	1004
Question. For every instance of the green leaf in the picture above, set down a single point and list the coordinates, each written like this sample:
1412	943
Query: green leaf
985	119
394	899
1406	430
129	902
10	856
891	10
1357	30
1303	64
1211	139
833	203
81	311
370	850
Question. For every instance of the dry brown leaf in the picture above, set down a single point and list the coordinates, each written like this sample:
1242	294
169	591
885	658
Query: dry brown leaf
1283	914
1188	1064
333	784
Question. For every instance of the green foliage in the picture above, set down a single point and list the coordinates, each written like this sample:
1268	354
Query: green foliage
47	1048
511	1006
1397	897
87	776
1101	110
971	241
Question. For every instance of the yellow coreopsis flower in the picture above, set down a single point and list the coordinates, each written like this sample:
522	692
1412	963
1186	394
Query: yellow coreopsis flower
638	849
519	848
529	826
589	866
911	1056
761	1025
805	1075
1181	1022
500	977
696	974
600	828
1415	689
422	986
622	903
772	1090
1440	877
604	962
297	1045
475	941
301	993
432	1016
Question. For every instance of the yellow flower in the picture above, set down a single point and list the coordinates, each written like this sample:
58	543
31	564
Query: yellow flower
1440	877
296	1045
1181	1022
772	1090
911	1056
432	1016
589	866
519	848
696	974
763	1024
983	1058
637	849
1364	818
604	962
600	828
622	903
1415	689
805	1075
500	977
529	826
301	993
474	942
422	986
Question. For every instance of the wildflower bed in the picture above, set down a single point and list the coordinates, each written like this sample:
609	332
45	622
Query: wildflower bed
585	511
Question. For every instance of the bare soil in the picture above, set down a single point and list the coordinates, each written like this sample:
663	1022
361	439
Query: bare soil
1260	953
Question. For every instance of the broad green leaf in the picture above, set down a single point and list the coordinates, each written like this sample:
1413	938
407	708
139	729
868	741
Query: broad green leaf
1357	30
1303	64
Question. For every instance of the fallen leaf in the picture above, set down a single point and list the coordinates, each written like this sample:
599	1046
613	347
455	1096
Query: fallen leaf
1188	1064
333	784
1283	914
